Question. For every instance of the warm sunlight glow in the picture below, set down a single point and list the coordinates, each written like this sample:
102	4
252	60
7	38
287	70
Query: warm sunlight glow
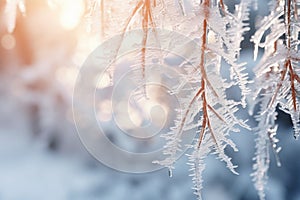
104	81
155	110
104	110
71	13
67	75
135	116
8	41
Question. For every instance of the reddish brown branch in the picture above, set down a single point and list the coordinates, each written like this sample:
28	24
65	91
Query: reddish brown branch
182	124
287	64
205	116
275	47
283	73
222	6
295	9
206	121
216	113
145	23
297	77
204	81
205	105
213	135
292	79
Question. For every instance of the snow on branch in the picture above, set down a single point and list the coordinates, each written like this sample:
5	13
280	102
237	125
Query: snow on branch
277	82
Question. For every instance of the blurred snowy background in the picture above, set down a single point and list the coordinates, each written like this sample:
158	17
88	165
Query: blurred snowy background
41	156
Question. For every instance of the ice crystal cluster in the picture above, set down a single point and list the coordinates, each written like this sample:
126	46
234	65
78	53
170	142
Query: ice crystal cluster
276	81
207	109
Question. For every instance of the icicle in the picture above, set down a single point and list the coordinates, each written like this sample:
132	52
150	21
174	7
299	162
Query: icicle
170	172
296	123
273	140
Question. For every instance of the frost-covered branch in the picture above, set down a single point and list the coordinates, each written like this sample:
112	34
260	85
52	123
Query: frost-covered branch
219	34
277	82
